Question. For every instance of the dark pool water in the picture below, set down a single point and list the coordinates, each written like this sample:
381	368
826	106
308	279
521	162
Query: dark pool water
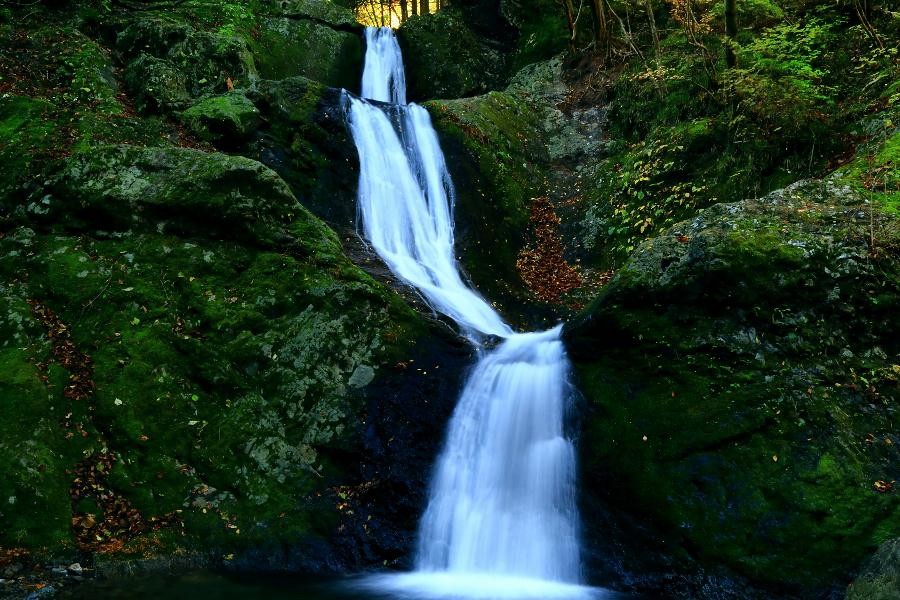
216	586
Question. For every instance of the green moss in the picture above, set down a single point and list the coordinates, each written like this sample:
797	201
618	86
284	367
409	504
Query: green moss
225	119
23	125
216	366
726	370
500	133
873	171
124	186
170	64
288	47
33	451
444	58
90	70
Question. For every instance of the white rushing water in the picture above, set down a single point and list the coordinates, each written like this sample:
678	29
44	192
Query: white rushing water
501	519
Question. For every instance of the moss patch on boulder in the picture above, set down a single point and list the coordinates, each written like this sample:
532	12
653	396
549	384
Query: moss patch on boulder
170	63
172	190
289	46
224	120
493	143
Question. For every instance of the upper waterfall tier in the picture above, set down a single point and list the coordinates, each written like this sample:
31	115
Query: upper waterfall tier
384	79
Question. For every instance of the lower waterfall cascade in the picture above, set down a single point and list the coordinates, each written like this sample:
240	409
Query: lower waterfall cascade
501	519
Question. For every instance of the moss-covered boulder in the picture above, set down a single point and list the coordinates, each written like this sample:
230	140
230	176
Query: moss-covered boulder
177	190
743	372
879	578
169	63
189	365
444	58
157	84
317	39
224	120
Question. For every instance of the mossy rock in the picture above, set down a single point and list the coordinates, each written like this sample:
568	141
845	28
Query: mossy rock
445	59
498	159
225	120
324	51
155	36
157	84
880	576
24	126
172	190
229	380
743	372
170	63
232	363
33	452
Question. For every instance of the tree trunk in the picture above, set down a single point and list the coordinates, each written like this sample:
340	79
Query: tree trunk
423	7
602	31
570	20
414	6
730	31
654	32
404	10
863	10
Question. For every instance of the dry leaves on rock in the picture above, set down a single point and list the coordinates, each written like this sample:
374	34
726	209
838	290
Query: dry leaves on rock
541	265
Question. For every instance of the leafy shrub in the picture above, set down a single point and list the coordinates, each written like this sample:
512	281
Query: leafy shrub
779	85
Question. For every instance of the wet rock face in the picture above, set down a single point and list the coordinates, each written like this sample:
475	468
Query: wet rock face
307	143
741	371
879	578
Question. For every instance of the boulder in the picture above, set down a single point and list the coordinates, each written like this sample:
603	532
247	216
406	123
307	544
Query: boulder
172	190
741	374
316	39
445	59
169	63
224	120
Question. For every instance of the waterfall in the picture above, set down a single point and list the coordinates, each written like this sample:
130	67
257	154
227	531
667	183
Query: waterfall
501	518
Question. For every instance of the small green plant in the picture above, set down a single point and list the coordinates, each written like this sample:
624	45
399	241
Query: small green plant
235	18
780	86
